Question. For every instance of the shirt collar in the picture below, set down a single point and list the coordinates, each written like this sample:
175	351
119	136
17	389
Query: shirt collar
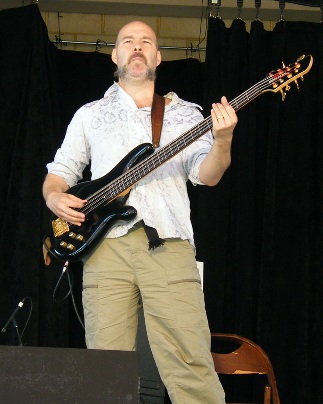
115	91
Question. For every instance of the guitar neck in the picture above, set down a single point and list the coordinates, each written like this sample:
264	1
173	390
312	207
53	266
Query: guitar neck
165	153
177	145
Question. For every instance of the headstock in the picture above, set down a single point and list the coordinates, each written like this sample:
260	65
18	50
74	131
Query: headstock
280	79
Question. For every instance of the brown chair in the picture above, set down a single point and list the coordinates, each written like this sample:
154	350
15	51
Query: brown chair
247	358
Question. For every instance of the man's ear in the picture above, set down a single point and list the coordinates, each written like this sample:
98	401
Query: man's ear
114	56
159	58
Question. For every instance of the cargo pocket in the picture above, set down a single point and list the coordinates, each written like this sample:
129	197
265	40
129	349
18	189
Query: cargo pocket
90	303
186	292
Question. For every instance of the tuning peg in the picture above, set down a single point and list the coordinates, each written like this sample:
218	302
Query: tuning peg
283	64
283	95
287	87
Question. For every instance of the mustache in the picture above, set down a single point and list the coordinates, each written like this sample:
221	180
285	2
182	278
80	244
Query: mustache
137	55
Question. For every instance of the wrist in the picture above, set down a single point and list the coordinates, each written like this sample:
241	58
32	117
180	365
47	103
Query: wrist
221	144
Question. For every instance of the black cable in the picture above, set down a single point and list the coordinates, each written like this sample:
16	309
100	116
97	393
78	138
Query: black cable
70	280
30	311
73	300
65	267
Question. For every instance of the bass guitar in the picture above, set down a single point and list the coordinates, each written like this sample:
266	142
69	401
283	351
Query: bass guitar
106	196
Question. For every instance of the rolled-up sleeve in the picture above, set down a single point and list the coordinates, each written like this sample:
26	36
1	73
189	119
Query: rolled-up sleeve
73	155
194	154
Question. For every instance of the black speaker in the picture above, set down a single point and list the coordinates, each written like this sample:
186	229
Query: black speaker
34	375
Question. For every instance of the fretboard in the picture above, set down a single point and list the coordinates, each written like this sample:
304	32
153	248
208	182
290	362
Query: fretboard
165	153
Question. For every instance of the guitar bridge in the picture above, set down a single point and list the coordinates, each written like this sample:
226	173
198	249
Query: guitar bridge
60	227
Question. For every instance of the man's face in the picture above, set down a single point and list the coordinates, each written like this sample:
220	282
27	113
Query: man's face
136	53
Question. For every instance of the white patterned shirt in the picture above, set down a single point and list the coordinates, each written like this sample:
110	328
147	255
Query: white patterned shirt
102	132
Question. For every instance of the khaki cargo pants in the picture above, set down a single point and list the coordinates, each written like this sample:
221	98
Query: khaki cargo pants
122	269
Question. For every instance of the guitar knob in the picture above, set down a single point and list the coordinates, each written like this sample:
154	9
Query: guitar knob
297	86
63	244
79	237
283	95
70	247
71	234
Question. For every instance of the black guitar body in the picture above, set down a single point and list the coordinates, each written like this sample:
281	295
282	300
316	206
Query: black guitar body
75	242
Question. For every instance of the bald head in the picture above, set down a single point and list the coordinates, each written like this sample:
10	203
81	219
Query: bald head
136	27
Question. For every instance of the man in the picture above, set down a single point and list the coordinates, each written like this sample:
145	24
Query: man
122	268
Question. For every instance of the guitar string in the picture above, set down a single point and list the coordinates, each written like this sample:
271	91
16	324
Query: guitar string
116	187
123	182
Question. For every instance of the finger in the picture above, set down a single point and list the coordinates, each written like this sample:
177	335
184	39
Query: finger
72	213
224	101
218	109
218	115
72	219
47	258
75	201
229	110
69	213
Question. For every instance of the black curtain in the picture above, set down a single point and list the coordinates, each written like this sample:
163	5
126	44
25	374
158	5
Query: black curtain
258	232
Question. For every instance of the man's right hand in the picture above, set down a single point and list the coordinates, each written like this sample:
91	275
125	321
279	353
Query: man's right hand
64	205
60	203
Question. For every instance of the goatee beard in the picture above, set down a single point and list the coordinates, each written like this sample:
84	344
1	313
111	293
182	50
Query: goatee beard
122	73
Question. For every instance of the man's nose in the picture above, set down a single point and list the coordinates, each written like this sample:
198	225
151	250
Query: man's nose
137	48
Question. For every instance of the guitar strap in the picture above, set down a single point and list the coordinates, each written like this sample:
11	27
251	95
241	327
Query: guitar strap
157	117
